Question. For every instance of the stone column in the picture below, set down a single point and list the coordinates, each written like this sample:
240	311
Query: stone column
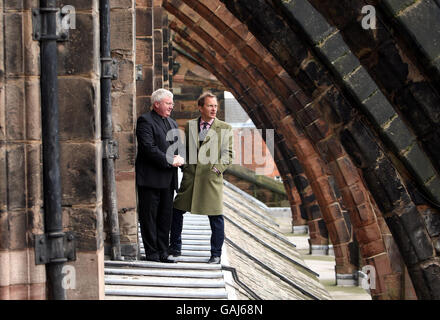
123	51
158	22
81	149
144	54
20	153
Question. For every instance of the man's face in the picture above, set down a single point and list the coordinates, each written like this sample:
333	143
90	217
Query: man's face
164	107
209	109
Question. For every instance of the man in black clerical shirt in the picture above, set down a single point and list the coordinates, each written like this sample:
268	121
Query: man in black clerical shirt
156	175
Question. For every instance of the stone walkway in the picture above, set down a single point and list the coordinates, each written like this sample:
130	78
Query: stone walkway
190	278
325	266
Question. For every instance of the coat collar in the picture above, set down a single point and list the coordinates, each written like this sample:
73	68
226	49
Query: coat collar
158	118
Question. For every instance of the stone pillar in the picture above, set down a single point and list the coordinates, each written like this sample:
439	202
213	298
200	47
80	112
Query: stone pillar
299	221
166	51
158	21
81	149
20	153
144	55
123	51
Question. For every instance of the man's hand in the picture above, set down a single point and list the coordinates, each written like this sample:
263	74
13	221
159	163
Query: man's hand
178	161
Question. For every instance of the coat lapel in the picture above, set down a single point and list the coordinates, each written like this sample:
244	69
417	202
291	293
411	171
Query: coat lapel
159	122
194	132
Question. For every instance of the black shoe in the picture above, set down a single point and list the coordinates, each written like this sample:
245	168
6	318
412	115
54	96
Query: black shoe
166	260
214	260
175	253
153	257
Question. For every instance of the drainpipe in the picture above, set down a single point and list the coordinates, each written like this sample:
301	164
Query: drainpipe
109	145
51	152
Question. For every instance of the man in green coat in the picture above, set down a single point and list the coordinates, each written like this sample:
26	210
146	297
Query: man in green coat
209	152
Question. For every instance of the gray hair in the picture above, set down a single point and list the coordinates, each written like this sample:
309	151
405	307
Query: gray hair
160	94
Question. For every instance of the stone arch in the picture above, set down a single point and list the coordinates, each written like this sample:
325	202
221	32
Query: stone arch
289	61
185	18
389	183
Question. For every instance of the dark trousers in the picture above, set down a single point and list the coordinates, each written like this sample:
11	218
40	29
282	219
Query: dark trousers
155	214
217	232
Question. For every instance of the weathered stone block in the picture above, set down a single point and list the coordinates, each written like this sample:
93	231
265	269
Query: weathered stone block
416	230
395	6
432	222
123	4
158	13
361	83
363	215
128	226
35	224
3	178
4	235
87	224
31	47
333	212
17	230
81	166
126	186
358	143
80	55
158	82
398	134
419	21
34	181
324	191
312	22
342	110
15	109
37	291
16	181
90	285
144	3
317	166
144	51
19	259
144	22
348	170
123	112
79	109
372	248
13	25
333	47
369	233
125	81
127	151
379	109
122	30
33	109
431	272
146	86
433	187
143	105
5	269
346	64
419	163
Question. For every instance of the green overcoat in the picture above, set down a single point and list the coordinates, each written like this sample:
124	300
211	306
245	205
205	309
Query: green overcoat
201	189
